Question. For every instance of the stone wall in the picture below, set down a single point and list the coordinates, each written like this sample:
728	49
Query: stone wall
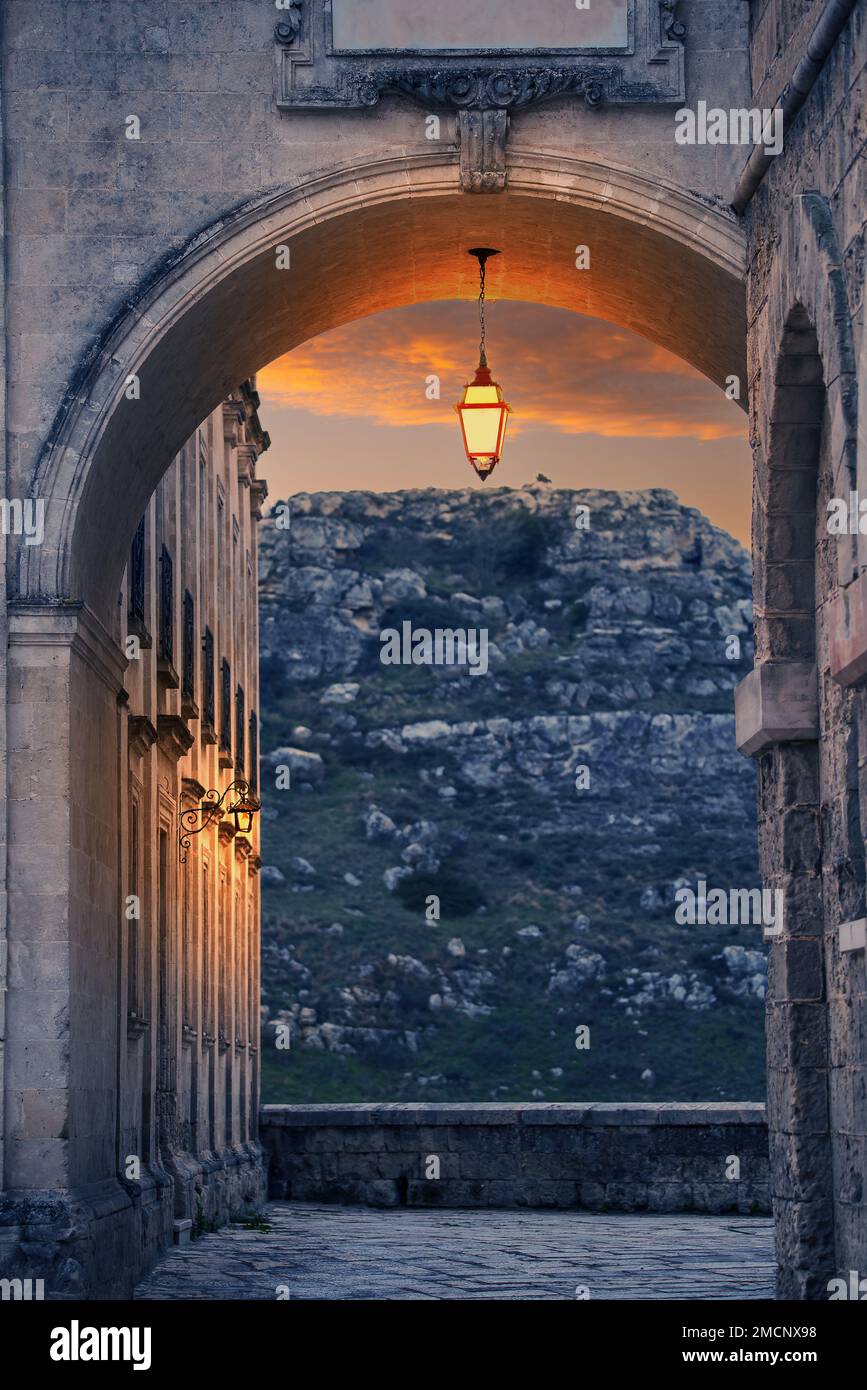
641	1157
806	228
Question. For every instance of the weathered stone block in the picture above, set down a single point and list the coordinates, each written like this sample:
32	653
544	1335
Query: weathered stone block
400	1139
39	1114
420	1193
360	1167
487	1165
415	1165
789	586
859	1099
553	1166
805	1247
795	969
850	1168
640	1113
714	1197
555	1114
776	703
797	1035
366	1139
665	1196
381	1193
798	775
802	904
800	840
798	1100
556	1139
786	639
708	1167
592	1195
329	1140
799	1166
851	1233
626	1196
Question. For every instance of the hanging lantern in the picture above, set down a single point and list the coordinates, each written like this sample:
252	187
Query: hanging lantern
482	411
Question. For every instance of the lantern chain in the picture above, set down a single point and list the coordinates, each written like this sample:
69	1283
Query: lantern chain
483	360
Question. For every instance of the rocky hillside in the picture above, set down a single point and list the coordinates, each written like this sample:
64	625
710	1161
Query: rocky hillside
550	807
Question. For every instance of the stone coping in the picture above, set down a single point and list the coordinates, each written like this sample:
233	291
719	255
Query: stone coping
495	1113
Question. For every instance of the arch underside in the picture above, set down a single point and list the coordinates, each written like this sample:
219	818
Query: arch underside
662	264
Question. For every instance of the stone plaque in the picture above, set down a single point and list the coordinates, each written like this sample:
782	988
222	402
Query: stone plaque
477	55
406	26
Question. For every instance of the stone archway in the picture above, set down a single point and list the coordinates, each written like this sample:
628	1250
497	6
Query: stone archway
360	240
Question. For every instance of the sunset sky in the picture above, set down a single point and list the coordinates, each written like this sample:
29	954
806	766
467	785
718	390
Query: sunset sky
593	406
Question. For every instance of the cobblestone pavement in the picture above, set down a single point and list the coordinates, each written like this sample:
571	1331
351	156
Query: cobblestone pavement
359	1253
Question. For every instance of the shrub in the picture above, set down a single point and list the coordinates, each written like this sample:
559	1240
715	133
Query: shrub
523	543
458	896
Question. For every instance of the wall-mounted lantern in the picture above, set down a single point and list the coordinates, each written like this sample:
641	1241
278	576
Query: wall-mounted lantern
242	810
482	410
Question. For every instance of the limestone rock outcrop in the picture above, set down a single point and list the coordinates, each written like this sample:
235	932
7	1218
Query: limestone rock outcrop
551	807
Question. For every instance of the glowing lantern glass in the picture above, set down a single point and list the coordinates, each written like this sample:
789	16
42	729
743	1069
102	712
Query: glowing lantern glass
243	812
482	410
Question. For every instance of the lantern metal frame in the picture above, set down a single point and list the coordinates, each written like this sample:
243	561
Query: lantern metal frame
211	809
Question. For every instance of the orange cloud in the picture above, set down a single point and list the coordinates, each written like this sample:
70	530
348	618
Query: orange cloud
569	373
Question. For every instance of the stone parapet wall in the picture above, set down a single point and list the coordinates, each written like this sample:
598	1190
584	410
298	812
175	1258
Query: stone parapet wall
642	1157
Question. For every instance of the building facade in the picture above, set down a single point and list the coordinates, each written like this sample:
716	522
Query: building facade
173	1022
188	986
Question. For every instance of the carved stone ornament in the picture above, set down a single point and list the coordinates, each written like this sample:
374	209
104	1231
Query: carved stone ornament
482	85
482	136
672	26
502	89
287	31
314	75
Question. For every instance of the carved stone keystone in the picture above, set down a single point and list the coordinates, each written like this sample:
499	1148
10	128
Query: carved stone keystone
776	703
482	136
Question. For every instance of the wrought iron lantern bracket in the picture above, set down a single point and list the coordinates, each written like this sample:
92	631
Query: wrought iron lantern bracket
198	818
